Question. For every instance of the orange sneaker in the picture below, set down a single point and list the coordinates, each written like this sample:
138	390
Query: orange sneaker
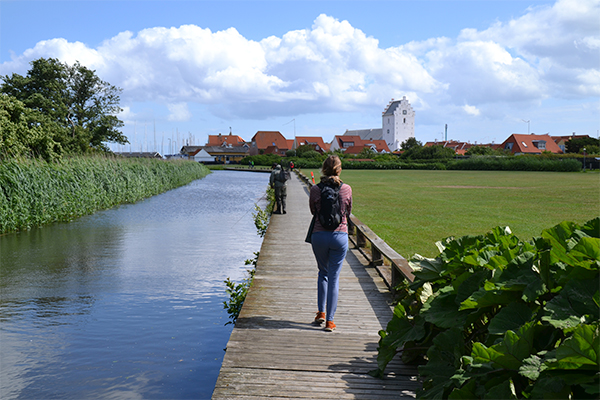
320	318
329	326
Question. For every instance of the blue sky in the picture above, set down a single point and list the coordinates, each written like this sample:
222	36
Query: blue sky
193	68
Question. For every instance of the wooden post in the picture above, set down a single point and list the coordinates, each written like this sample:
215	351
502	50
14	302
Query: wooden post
376	256
361	240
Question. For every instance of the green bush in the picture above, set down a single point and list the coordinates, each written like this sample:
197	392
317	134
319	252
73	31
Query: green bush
497	318
518	163
35	192
262	159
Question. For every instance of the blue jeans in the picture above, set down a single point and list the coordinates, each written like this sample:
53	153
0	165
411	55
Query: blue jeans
330	251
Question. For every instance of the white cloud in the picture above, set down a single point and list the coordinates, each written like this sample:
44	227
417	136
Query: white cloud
548	52
179	112
565	36
471	110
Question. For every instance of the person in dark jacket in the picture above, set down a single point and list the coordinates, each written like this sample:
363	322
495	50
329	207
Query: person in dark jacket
280	188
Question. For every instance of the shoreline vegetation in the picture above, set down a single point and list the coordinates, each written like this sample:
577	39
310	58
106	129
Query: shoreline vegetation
35	192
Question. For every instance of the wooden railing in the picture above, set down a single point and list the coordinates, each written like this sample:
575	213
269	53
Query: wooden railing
392	267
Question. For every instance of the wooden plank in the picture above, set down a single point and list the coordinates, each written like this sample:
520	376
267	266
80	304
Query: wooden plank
275	351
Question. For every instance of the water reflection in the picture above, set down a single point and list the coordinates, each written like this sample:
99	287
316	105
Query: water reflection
127	303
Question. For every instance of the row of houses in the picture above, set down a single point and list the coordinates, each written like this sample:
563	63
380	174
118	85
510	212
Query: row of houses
226	149
516	144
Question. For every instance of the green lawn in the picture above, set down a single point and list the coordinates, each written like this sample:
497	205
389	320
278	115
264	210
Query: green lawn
411	210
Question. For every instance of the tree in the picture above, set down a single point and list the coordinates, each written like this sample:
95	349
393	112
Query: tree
73	97
438	152
410	143
479	151
93	104
411	147
26	132
577	145
367	153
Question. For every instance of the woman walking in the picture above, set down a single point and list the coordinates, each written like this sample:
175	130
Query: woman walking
330	245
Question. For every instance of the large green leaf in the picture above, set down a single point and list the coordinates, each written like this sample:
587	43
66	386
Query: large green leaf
587	248
510	352
558	238
427	269
532	367
510	317
579	350
467	392
471	284
399	330
444	358
443	311
488	298
550	388
573	305
504	390
592	227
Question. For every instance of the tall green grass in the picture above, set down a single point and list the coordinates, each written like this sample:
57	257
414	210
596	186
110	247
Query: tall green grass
35	192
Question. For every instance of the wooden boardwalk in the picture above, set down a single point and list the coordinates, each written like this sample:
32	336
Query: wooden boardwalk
276	352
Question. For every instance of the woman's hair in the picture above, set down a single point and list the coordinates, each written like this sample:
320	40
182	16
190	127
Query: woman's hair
331	169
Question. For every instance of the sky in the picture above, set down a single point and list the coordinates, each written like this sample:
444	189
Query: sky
189	69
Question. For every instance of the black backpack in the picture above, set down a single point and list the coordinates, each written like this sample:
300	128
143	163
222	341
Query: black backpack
284	175
330	214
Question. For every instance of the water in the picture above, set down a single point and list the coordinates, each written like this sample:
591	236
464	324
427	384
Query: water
127	303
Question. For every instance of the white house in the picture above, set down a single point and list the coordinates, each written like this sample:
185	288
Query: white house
398	123
203	156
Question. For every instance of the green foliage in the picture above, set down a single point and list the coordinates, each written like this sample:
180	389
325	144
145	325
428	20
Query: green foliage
577	145
237	292
518	163
35	192
411	143
26	132
494	317
261	217
73	107
480	151
262	159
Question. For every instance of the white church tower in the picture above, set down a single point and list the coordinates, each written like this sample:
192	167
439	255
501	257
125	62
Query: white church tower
398	123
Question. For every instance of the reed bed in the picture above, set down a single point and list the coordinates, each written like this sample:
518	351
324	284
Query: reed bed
35	192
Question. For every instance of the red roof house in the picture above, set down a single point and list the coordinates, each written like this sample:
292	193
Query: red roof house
530	144
354	144
315	141
218	140
270	142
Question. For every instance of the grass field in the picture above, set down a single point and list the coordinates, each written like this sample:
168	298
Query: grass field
411	210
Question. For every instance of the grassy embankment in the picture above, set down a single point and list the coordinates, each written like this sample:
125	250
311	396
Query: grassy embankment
411	210
35	193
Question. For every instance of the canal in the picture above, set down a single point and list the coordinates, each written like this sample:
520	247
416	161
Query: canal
127	303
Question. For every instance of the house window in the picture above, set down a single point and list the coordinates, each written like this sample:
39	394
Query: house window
508	146
404	112
348	144
404	120
540	144
388	131
524	144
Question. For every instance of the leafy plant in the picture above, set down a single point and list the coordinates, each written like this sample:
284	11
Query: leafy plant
237	292
497	318
261	217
